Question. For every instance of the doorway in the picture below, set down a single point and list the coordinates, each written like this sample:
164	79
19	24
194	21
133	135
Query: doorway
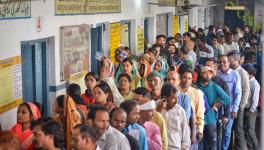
35	60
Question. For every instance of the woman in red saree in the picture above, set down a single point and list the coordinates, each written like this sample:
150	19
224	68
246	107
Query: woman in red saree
25	114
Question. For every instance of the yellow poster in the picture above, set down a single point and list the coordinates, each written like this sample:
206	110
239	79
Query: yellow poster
175	25
186	23
10	83
167	2
78	78
140	40
69	7
115	39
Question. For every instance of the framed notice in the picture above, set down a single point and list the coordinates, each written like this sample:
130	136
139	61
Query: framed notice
11	83
186	23
75	47
115	39
140	40
175	23
81	7
10	9
167	2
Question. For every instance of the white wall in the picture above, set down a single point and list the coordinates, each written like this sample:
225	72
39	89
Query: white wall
17	30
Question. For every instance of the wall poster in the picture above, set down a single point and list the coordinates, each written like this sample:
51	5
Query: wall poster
10	9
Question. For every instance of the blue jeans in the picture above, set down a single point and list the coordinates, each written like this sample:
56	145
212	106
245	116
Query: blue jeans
227	134
210	137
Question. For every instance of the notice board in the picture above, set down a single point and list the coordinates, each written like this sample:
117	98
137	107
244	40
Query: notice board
186	23
115	39
12	10
74	44
71	7
11	83
175	23
140	39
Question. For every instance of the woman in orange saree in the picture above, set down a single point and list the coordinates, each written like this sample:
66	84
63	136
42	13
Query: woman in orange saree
25	114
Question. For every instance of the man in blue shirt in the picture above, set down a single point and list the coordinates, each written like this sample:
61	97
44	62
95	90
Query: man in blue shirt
234	85
131	107
215	96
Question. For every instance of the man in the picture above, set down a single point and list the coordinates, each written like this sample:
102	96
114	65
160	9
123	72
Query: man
131	107
222	40
191	54
215	95
218	48
174	114
84	138
47	134
161	41
230	42
206	51
118	120
197	101
251	111
152	130
108	138
141	95
210	34
222	115
186	37
234	85
234	58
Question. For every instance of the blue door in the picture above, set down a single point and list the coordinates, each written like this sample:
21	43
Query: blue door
96	46
35	73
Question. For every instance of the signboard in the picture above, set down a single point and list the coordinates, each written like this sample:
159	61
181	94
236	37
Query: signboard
13	10
234	7
140	40
162	24
70	7
175	23
125	35
78	78
115	39
186	23
74	47
11	83
167	2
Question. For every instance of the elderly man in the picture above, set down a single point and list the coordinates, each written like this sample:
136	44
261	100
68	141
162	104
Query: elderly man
215	94
234	85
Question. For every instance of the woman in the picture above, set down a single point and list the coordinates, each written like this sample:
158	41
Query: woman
144	69
103	96
25	114
160	66
124	82
129	68
108	68
58	109
90	81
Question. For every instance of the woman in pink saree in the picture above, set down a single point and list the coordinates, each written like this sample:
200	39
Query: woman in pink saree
25	114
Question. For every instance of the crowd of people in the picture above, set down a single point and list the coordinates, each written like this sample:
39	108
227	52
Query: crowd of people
193	91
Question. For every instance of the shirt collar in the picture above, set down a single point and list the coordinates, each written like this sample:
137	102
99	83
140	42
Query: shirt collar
253	78
103	136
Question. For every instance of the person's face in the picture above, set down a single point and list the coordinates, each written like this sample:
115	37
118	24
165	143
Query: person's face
101	121
127	67
23	114
223	64
212	65
173	79
221	40
232	62
39	138
90	82
124	83
133	116
171	100
146	115
172	41
161	41
158	51
77	142
186	39
246	30
157	66
230	38
171	49
190	45
57	108
100	96
139	98
118	120
186	79
152	57
142	61
154	83
199	42
214	41
207	76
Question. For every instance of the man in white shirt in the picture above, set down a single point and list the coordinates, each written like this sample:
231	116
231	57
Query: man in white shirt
230	42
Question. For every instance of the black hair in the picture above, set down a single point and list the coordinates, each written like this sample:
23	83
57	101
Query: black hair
104	86
201	38
160	35
213	36
114	110
93	74
169	39
155	46
86	132
60	100
128	105
39	121
167	89
74	91
29	109
184	50
211	27
211	59
250	69
128	60
185	70
188	34
54	128
152	50
141	91
127	48
126	76
93	109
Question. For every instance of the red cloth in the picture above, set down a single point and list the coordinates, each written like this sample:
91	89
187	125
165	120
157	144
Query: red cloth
87	100
25	137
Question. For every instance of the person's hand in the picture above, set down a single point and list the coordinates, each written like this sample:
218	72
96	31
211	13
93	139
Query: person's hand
161	105
199	137
234	115
224	120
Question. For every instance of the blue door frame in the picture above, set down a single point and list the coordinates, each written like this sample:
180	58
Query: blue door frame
35	73
96	46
